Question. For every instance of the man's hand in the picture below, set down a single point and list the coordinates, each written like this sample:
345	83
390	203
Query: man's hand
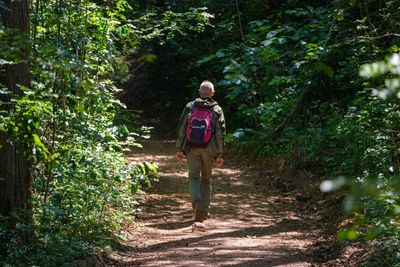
180	155
219	160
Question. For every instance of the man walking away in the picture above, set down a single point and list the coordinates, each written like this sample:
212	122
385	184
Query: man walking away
201	133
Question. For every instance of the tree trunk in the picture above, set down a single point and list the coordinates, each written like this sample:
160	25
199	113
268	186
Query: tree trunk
15	180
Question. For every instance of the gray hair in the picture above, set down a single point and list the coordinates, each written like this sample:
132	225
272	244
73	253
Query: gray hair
206	87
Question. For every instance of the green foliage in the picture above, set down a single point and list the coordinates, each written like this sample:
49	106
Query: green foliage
201	30
293	91
391	68
290	88
83	189
72	128
386	254
375	195
298	96
265	75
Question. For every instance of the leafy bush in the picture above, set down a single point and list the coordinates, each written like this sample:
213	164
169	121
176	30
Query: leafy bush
83	188
293	92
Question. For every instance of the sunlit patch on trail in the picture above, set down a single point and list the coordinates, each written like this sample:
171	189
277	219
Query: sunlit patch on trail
226	171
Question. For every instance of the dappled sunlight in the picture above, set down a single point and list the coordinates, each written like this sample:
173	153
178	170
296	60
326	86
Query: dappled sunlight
226	171
247	226
152	158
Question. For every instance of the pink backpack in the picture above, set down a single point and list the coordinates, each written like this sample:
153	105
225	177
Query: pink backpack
199	126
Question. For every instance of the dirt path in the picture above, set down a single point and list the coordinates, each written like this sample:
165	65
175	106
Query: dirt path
250	224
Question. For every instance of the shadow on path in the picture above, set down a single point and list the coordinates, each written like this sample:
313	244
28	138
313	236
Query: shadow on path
249	225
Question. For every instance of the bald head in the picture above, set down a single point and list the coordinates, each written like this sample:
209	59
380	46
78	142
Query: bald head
206	89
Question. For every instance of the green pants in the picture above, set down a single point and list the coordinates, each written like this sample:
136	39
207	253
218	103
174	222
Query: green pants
199	162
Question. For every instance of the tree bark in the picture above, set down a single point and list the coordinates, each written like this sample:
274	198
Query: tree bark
15	179
239	20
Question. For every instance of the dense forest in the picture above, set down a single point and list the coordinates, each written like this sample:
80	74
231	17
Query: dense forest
314	84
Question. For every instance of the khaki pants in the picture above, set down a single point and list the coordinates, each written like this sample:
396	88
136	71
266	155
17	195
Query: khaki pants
199	162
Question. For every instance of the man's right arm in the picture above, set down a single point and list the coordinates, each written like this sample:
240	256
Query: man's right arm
181	133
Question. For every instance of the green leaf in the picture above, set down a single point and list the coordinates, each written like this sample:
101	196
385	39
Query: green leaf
205	59
325	69
348	234
148	57
38	143
220	54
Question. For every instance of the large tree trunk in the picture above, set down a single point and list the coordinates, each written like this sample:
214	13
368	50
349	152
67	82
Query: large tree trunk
15	180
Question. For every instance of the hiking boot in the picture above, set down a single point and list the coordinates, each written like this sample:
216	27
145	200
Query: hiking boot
198	226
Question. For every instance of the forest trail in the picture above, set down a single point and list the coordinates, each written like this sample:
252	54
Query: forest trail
250	224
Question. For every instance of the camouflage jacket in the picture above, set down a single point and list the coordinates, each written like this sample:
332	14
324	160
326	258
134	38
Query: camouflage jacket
216	144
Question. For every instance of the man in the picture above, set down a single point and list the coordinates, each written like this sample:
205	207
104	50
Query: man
201	133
